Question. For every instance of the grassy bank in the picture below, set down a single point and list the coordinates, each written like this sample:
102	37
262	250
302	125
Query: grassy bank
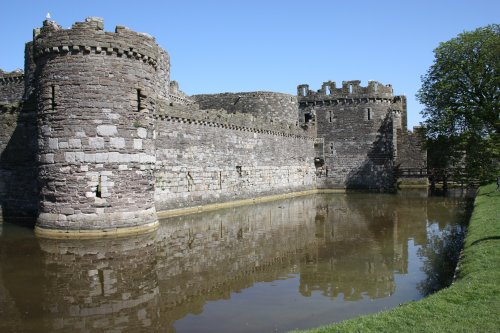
470	304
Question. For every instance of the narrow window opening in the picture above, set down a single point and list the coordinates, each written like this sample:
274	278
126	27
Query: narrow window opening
307	117
238	170
369	114
332	149
100	273
98	191
220	180
303	91
53	97
138	100
327	90
350	89
376	87
190	181
330	116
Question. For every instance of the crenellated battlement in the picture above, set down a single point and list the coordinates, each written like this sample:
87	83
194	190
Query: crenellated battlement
11	88
220	118
16	76
349	90
90	37
178	96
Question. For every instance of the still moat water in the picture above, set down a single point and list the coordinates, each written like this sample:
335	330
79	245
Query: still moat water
271	267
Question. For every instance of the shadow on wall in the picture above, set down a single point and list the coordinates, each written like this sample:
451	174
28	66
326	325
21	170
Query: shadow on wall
376	172
18	180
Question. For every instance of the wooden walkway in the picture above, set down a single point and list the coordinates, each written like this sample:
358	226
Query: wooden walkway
435	176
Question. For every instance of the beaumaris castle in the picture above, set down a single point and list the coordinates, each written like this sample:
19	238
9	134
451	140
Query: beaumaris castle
95	137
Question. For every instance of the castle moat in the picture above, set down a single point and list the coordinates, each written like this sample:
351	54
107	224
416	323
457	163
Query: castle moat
269	267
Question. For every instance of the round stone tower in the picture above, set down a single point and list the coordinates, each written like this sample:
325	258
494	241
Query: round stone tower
356	133
97	94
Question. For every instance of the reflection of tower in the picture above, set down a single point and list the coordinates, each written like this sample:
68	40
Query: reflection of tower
104	285
97	97
352	258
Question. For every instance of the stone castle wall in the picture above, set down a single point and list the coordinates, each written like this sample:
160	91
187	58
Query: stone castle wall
11	87
117	140
18	173
206	156
412	155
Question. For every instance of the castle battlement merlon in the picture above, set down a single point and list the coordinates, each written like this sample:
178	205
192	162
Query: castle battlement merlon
15	76
348	90
90	37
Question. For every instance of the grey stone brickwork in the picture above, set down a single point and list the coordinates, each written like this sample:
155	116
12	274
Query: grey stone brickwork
411	152
206	156
106	139
18	145
276	107
11	87
96	131
355	126
357	131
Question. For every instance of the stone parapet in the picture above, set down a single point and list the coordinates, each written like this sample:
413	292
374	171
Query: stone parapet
223	119
90	37
349	90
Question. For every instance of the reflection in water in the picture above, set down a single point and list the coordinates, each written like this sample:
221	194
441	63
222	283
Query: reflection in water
90	285
441	255
105	284
442	249
294	263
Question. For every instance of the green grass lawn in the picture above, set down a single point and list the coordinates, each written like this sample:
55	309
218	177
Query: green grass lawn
470	304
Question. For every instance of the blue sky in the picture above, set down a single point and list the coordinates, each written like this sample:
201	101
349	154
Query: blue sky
218	46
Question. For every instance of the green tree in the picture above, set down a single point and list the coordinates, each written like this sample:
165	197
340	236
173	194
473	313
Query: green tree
460	92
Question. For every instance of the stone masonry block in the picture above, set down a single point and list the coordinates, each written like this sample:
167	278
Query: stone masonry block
142	132
75	143
107	130
137	143
53	143
96	143
117	143
70	157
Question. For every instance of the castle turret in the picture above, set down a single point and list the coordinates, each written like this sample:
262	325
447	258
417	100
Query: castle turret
354	126
97	95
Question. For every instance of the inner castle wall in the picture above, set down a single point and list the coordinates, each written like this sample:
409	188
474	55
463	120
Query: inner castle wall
110	140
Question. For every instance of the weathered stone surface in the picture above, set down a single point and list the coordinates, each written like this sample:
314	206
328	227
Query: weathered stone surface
116	139
357	129
107	130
